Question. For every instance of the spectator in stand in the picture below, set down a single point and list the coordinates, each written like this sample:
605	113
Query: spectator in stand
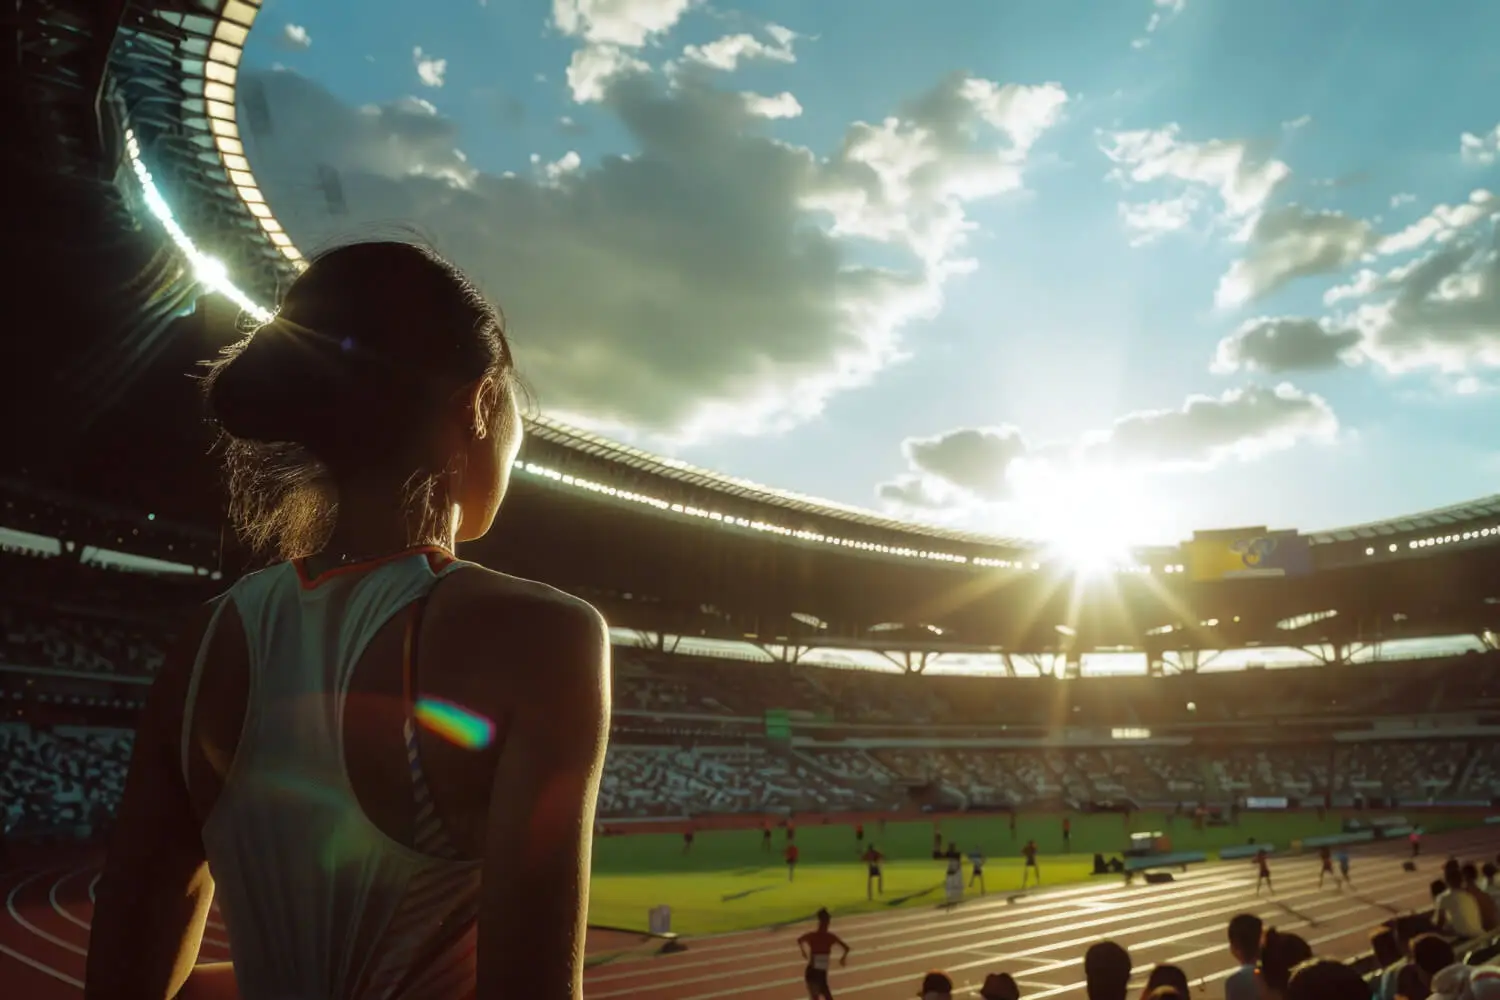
1326	980
1279	955
1430	954
1463	982
1489	914
1169	978
1106	971
1456	912
999	986
1391	958
1244	945
936	986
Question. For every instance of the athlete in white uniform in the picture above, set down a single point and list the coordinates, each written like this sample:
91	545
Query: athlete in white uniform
382	817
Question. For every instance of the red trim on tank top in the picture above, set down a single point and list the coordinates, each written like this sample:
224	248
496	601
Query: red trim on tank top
437	556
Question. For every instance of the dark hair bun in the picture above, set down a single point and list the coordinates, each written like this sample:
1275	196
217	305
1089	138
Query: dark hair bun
367	339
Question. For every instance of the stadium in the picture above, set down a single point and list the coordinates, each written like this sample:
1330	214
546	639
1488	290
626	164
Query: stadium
785	669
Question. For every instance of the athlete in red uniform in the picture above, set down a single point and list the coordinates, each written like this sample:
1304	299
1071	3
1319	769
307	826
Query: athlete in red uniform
817	948
1029	851
1263	867
1326	857
791	861
765	836
874	880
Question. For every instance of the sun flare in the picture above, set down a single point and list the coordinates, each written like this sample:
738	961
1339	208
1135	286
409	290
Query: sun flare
1090	516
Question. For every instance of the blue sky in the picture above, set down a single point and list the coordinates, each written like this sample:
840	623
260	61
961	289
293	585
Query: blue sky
967	262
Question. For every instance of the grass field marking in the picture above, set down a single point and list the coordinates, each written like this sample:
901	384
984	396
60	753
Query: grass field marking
1183	895
1238	906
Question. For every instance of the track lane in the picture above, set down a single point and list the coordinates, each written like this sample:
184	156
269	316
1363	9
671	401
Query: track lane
1039	937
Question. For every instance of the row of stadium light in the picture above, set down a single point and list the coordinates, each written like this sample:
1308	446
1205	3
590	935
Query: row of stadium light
1472	535
221	68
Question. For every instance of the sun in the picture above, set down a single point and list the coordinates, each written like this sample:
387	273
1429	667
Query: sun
1088	516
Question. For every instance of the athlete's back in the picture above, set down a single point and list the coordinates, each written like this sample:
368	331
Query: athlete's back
357	851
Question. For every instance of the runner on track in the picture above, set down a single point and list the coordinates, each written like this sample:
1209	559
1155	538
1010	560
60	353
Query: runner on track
817	948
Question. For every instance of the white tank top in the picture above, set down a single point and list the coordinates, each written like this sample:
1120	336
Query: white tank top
318	903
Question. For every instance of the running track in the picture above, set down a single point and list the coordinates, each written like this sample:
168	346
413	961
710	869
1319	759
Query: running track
1040	939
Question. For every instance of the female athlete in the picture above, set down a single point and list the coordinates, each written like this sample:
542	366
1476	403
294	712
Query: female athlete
353	750
817	948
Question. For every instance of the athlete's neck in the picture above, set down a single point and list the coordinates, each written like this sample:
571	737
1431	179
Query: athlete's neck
374	521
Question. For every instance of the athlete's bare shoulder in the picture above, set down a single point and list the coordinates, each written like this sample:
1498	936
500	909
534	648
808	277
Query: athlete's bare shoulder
479	611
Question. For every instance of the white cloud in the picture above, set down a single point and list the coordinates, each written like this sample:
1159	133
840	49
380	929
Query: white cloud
1438	311
1442	224
567	164
703	284
1480	150
972	460
624	23
594	68
1289	243
430	70
1442	312
1239	424
968	466
782	105
1243	180
726	53
1148	221
1286	344
905	180
1404	198
1163	12
916	492
294	36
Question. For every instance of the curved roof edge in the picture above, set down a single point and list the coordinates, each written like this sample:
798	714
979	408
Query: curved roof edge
214	74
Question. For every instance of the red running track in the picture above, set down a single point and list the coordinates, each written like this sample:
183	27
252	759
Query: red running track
1039	938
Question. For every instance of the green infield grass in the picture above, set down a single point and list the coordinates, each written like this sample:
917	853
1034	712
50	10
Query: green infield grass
727	882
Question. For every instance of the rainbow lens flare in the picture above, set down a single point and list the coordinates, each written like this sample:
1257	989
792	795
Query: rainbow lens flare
455	723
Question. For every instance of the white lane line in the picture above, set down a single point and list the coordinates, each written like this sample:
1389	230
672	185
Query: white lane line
1060	904
974	920
61	977
1185	909
1485	837
57	904
15	914
1138	949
